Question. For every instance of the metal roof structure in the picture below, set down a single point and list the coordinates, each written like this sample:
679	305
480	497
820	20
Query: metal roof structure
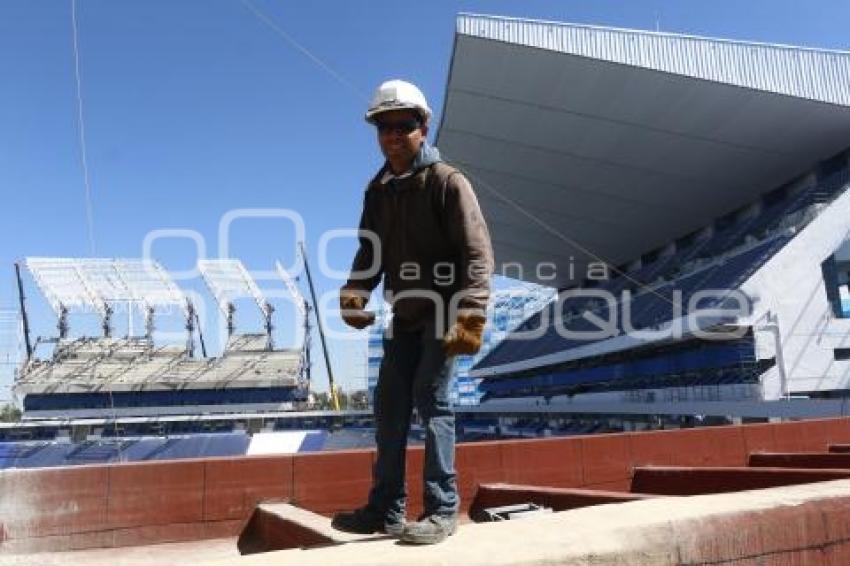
228	279
297	298
589	144
96	282
816	74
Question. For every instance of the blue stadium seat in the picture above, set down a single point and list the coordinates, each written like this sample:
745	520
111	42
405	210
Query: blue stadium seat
313	441
702	363
98	451
647	309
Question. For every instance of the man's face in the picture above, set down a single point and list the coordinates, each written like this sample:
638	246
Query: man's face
399	143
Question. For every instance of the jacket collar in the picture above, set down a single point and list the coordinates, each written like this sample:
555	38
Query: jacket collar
426	156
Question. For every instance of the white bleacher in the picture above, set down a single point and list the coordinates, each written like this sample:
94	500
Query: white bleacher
237	343
135	368
91	364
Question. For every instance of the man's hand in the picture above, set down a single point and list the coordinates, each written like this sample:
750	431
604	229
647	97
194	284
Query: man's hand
351	305
464	337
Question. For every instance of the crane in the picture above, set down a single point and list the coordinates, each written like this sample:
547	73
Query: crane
332	388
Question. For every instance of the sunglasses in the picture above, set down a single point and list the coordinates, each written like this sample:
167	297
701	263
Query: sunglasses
402	126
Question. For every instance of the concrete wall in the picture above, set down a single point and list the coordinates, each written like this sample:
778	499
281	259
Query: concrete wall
790	287
142	503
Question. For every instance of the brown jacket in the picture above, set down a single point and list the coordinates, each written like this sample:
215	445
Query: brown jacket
433	238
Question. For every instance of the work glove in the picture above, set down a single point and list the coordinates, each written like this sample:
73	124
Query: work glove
464	337
351	306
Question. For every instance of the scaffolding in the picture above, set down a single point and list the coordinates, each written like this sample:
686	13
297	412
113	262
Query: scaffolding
228	280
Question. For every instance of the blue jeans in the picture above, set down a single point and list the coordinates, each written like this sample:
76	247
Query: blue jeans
415	372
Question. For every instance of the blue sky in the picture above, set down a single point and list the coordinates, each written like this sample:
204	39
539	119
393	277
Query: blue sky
195	108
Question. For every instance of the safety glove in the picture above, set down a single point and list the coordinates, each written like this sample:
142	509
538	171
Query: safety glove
464	337
352	303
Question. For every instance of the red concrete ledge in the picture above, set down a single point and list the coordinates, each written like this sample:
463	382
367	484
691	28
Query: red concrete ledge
117	538
557	499
672	480
800	460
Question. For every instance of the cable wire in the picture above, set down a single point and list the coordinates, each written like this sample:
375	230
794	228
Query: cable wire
82	131
303	50
81	127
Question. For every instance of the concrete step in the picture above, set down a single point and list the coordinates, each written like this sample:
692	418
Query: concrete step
281	525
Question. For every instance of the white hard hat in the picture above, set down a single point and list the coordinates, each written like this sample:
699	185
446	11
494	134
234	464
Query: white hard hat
397	95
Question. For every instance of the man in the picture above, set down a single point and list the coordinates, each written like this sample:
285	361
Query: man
422	232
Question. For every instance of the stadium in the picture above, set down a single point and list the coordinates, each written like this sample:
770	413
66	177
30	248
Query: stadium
686	166
686	196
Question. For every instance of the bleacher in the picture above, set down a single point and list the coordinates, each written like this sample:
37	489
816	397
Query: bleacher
314	441
648	309
202	446
697	363
89	363
719	257
99	373
349	438
48	454
32	454
15	450
98	451
184	397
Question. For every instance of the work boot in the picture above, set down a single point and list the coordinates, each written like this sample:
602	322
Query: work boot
366	521
430	530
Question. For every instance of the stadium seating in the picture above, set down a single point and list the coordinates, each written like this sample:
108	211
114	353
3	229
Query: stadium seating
735	248
58	401
97	373
722	258
45	454
697	364
313	441
98	451
203	445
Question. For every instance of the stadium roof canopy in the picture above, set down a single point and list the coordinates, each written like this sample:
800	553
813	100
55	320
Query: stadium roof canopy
92	283
589	143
